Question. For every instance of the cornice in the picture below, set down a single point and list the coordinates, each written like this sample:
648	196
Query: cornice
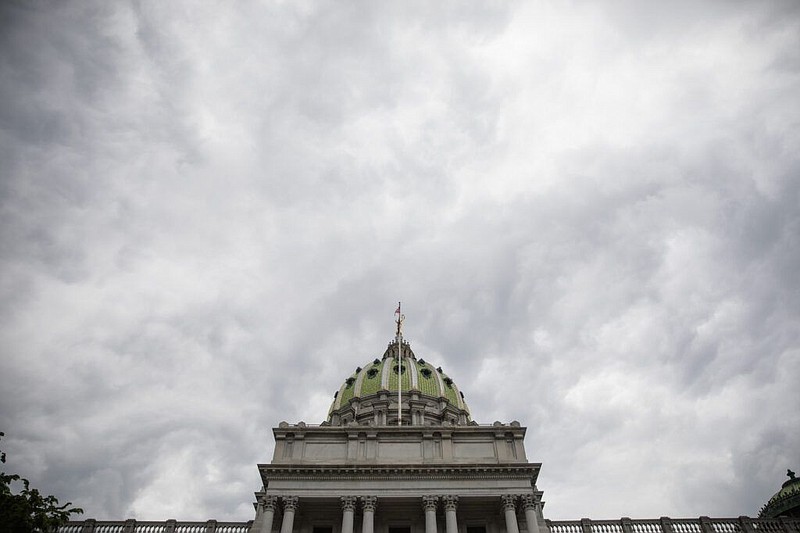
303	428
398	472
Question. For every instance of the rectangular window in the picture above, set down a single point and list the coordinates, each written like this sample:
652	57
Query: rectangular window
323	529
399	530
476	529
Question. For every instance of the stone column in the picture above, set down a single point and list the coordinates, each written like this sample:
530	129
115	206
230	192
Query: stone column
368	503
268	505
289	508
450	504
529	504
511	513
348	509
429	504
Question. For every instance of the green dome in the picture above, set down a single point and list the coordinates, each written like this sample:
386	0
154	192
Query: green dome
420	379
785	502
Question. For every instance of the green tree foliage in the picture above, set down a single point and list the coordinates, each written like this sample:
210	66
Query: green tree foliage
28	511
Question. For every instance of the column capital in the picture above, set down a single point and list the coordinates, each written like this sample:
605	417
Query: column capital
369	503
509	502
429	502
348	503
290	503
450	502
268	503
528	501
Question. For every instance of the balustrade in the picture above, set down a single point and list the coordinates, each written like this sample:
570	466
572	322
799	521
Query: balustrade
167	526
606	526
742	524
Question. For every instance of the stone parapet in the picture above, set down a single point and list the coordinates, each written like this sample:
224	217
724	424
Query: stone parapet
624	525
475	444
665	524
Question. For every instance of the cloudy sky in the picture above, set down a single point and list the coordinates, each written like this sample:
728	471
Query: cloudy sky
591	212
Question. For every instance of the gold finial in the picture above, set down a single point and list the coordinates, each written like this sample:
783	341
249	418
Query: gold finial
399	320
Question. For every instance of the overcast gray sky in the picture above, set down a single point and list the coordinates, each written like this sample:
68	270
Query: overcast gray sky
591	212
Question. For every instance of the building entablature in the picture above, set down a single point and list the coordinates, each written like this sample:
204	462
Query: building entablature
528	471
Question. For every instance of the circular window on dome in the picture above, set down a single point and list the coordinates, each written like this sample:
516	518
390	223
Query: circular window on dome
350	382
397	369
371	373
449	382
426	373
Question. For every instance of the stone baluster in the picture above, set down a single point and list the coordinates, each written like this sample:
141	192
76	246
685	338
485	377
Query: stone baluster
290	504
450	504
348	510
510	511
429	505
368	503
529	504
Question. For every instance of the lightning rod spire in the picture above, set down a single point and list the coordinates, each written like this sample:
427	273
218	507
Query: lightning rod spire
399	340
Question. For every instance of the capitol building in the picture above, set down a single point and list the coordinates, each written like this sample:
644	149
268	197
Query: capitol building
399	452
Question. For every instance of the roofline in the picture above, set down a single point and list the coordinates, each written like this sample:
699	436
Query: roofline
284	428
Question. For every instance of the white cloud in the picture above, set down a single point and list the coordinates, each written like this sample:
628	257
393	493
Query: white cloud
590	213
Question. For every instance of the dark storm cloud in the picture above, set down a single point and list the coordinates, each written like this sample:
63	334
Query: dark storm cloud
590	214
